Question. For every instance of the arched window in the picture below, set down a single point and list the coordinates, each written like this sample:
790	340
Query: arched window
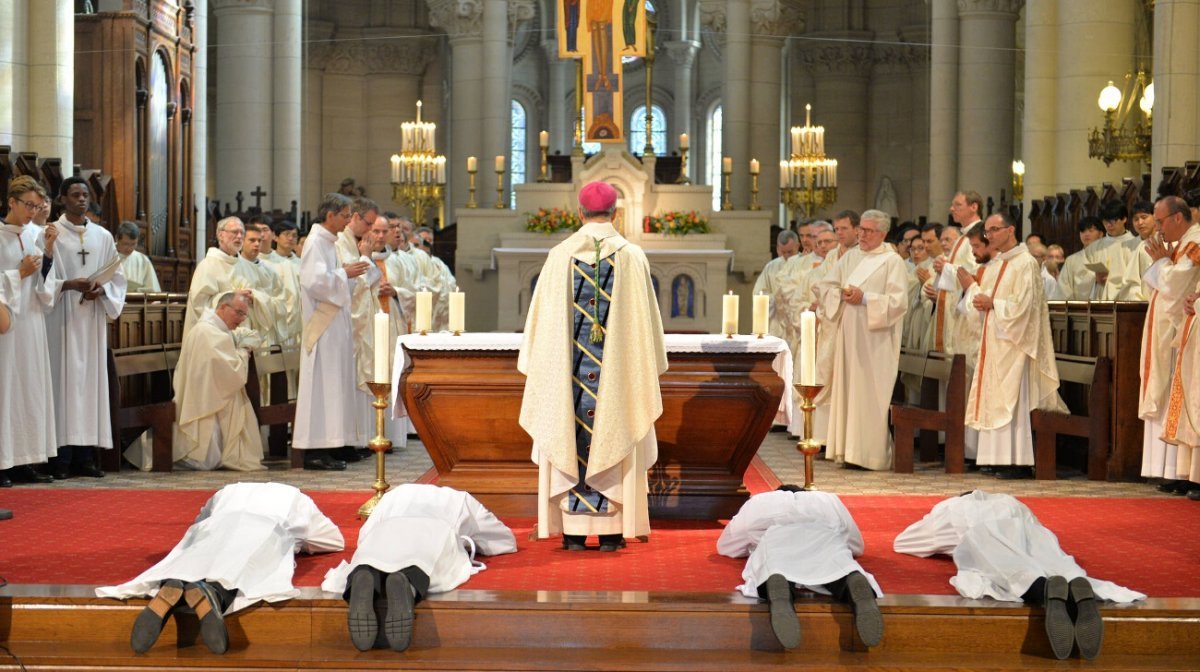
713	141
516	160
637	130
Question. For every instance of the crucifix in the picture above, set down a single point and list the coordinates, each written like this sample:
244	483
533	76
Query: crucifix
258	193
82	250
599	33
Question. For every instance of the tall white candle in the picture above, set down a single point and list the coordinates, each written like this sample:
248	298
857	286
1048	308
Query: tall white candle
457	312
424	311
499	164
395	168
729	313
762	310
544	139
754	166
472	164
726	164
808	348
383	367
683	141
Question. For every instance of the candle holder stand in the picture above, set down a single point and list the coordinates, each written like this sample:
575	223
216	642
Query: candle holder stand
500	189
380	445
808	446
754	192
544	176
683	177
471	189
726	202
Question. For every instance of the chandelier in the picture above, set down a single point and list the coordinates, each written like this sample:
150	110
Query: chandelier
808	179
1116	141
418	172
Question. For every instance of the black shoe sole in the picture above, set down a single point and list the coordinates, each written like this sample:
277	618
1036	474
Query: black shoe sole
1089	627
398	624
867	618
360	618
1059	628
784	622
149	624
212	624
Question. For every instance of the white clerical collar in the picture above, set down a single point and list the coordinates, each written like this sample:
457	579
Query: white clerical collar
1019	249
14	229
219	254
598	230
376	256
322	232
210	315
69	226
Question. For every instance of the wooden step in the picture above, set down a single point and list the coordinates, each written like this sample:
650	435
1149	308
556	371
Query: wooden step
65	627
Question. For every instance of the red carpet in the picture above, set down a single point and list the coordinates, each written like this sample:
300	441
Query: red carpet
108	536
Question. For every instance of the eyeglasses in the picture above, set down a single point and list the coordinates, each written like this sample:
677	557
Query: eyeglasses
30	204
994	229
863	229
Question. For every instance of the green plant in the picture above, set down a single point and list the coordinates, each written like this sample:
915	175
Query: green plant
552	220
676	223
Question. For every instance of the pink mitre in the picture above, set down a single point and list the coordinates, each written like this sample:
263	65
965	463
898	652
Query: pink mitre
597	197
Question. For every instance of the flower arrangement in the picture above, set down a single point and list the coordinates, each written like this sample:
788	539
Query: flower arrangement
552	221
676	223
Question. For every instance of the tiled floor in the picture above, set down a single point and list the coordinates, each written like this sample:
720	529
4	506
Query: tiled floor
780	454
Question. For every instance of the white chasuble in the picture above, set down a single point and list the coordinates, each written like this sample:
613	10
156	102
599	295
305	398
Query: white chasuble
866	353
215	424
624	445
326	401
139	273
288	322
218	273
77	335
27	434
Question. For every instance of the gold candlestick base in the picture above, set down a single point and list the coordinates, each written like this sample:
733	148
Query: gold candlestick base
544	176
380	445
683	178
808	446
471	203
500	190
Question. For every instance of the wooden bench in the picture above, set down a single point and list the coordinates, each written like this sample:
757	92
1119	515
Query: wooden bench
932	367
1096	373
281	411
155	364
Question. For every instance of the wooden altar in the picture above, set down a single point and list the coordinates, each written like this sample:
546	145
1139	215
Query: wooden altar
717	408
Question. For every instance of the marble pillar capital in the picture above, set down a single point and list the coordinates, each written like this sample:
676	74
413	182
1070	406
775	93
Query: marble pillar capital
682	52
1011	8
778	18
242	6
712	15
827	56
520	11
459	18
895	59
408	55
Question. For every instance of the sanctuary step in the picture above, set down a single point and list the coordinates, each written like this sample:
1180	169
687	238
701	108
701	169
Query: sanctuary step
63	628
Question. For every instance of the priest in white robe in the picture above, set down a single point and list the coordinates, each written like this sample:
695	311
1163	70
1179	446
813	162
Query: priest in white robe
592	355
402	271
771	281
970	328
1076	282
86	261
806	539
27	428
1003	552
845	231
239	551
1114	250
140	276
265	286
286	264
965	210
215	425
797	280
1182	426
1132	288
420	539
326	401
442	281
864	299
222	269
1015	371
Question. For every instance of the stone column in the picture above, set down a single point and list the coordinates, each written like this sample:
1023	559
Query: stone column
287	88
841	67
14	72
683	55
1176	79
495	114
561	74
770	22
1095	44
1038	127
200	124
735	99
243	111
918	155
315	184
987	31
463	23
943	108
889	129
51	90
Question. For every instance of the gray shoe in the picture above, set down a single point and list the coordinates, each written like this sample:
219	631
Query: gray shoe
398	624
1089	627
783	611
360	616
202	598
149	623
867	619
1059	628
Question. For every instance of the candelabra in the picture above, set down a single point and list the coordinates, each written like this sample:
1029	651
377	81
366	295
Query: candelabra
418	172
808	179
500	187
380	445
1116	141
808	446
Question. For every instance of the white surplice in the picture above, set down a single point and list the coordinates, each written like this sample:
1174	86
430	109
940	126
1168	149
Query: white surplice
270	300
807	537
1132	288
1114	252
866	356
27	434
245	539
435	529
139	273
1075	281
364	303
218	273
288	322
945	318
77	336
999	547
327	397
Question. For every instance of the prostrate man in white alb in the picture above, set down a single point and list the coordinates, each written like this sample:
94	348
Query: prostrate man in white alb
77	332
1170	279
806	539
771	281
414	543
1003	552
137	267
592	354
27	434
241	550
215	425
326	413
864	298
1015	371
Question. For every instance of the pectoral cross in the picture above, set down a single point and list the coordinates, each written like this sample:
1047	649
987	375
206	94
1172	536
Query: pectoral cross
83	256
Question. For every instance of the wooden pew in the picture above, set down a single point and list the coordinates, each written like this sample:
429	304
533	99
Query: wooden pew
1096	373
932	367
155	409
281	411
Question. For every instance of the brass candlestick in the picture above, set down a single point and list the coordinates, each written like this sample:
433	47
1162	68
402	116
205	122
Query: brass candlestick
808	446
683	178
380	444
500	189
726	203
754	192
545	176
471	189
